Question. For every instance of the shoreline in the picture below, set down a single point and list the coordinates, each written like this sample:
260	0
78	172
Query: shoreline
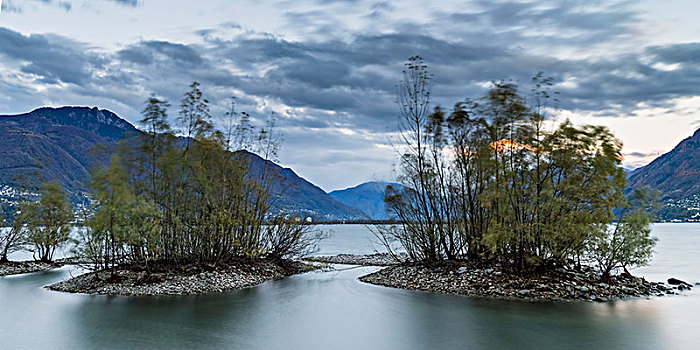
10	268
492	282
191	280
376	259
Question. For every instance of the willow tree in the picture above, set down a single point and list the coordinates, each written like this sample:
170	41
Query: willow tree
422	205
124	228
11	239
628	242
46	223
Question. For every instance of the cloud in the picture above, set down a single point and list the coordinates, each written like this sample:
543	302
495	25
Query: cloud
146	52
642	154
50	59
356	79
9	6
64	4
129	3
14	6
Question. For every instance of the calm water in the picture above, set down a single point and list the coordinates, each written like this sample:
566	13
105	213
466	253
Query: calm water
333	310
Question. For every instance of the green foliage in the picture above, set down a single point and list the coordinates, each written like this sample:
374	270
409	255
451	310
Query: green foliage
124	228
185	201
491	180
628	242
46	223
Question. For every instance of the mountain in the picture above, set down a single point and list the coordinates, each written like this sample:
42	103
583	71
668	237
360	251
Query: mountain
368	197
63	144
57	144
676	174
297	196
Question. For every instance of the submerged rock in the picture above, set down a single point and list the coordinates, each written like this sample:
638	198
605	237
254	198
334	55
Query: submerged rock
675	281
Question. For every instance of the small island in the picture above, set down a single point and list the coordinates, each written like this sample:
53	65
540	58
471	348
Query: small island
185	280
491	281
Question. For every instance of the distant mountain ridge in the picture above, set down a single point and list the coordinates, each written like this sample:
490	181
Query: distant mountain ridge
59	144
298	197
368	197
675	174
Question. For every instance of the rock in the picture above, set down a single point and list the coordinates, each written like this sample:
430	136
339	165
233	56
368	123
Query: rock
583	289
377	259
462	270
675	281
524	292
437	270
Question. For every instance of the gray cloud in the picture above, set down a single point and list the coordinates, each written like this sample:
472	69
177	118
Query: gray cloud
51	59
642	154
145	53
130	3
64	4
356	78
10	6
14	6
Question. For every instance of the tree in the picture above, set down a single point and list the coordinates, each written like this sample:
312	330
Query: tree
155	121
286	238
423	207
47	221
11	239
194	118
124	228
628	242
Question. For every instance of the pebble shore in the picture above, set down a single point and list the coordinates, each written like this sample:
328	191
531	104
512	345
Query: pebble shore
557	285
194	280
378	259
19	267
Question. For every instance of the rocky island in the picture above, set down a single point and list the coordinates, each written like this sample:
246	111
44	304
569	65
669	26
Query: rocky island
461	278
185	280
557	285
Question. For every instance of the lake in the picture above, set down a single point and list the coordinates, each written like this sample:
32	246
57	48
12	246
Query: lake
333	310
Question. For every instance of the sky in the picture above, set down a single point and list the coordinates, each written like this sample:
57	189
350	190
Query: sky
329	68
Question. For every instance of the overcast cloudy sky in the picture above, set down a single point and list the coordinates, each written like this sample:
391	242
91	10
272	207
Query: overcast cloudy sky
329	68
